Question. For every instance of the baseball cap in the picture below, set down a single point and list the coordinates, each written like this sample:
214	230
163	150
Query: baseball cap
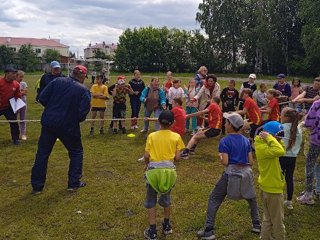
235	119
166	118
81	69
274	128
252	75
55	64
10	69
281	75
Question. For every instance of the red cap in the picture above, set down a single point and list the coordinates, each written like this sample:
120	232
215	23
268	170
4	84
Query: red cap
121	77
81	69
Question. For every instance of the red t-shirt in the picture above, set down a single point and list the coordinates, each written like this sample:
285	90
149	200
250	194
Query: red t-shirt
8	90
274	115
253	111
179	125
214	116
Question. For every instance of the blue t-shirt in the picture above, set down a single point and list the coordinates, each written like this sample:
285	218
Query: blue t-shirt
237	147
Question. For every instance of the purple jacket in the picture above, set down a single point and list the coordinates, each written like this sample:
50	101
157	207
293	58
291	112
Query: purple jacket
313	122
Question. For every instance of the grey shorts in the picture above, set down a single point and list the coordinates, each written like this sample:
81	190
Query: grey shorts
151	198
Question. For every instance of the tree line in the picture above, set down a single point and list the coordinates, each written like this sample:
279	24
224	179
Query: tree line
262	36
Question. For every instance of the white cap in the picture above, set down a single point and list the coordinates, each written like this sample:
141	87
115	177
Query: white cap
252	75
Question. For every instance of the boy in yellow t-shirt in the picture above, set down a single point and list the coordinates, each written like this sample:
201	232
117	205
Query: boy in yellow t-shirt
99	93
162	148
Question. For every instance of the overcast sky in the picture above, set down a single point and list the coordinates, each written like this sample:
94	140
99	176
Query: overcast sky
79	22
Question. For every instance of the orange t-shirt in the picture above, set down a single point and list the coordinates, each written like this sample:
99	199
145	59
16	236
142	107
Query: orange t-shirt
179	125
253	111
274	115
214	116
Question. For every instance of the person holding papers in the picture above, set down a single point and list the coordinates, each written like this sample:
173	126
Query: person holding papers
10	88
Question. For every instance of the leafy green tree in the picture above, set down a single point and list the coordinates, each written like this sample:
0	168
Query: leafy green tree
7	56
310	37
50	55
27	57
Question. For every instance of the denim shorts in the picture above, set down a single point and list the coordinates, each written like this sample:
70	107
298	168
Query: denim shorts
151	198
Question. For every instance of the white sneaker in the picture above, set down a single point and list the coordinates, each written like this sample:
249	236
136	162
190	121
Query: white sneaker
288	204
143	131
23	137
132	127
136	126
141	159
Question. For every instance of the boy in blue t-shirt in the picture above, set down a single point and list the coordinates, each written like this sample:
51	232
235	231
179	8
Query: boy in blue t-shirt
236	181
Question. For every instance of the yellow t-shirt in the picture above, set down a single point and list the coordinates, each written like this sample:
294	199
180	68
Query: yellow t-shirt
98	102
163	144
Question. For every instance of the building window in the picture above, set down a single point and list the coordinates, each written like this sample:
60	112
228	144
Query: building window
13	49
38	50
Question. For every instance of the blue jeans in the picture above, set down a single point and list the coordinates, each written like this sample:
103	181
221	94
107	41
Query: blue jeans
147	113
194	119
47	139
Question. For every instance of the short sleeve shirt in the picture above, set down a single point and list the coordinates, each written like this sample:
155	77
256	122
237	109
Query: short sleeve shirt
274	115
179	125
253	112
214	116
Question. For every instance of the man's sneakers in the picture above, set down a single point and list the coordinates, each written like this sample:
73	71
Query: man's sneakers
149	234
166	228
206	234
256	227
15	141
306	198
36	192
184	155
74	189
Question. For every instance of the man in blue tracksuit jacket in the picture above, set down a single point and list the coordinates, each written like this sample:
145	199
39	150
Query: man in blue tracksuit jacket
67	103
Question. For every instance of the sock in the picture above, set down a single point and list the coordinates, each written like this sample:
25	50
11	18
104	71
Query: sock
194	147
153	228
166	221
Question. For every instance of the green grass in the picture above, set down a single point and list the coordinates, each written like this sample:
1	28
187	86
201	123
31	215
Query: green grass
112	203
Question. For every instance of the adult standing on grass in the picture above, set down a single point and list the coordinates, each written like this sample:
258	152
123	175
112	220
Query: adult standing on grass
137	86
10	88
67	103
154	100
201	75
48	77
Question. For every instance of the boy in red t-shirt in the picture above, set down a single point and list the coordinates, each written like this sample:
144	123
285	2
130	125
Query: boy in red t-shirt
251	110
214	123
179	125
273	106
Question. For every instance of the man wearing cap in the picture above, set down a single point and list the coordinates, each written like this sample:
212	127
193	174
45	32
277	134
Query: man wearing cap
283	87
67	103
248	84
10	88
48	77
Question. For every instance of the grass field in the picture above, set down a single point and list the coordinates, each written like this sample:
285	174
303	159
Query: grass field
111	206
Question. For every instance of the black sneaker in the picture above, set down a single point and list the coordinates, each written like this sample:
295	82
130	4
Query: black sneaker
73	189
184	155
123	130
15	142
149	235
115	131
166	228
206	235
256	227
91	133
101	131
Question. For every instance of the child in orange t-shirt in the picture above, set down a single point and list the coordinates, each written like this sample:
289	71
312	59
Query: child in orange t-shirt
273	106
214	123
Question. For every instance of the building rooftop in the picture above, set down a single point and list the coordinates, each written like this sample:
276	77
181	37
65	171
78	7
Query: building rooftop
32	41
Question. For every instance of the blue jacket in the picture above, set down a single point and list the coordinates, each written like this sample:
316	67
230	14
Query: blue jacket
45	80
66	102
162	96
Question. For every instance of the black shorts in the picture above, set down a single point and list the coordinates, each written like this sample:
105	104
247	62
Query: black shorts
98	109
119	110
212	132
